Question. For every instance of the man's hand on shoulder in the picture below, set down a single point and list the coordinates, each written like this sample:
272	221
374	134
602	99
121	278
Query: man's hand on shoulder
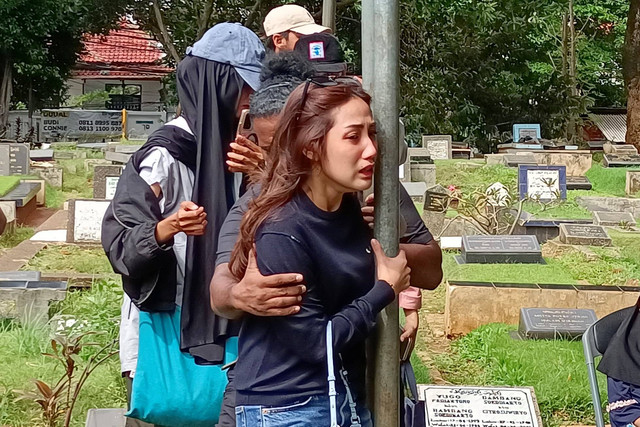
275	295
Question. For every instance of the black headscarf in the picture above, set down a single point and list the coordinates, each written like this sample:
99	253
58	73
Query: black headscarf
209	92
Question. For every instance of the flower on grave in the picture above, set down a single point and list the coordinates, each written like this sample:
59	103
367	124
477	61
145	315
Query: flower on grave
452	188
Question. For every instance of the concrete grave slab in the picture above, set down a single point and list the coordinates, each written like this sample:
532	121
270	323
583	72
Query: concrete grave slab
584	234
105	181
621	160
415	190
500	250
614	219
551	323
22	194
578	183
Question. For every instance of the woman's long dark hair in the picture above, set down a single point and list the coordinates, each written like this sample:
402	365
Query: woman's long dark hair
298	133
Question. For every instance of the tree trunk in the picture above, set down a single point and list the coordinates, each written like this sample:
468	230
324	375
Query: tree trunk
5	92
631	71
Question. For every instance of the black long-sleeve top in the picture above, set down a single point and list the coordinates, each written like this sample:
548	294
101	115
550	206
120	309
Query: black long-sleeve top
284	359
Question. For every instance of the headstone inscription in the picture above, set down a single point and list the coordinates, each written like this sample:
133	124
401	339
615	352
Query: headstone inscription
584	234
85	220
464	406
526	130
438	146
436	199
105	181
14	159
500	250
550	323
542	182
614	219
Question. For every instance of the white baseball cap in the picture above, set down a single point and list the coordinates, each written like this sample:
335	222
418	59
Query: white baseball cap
291	17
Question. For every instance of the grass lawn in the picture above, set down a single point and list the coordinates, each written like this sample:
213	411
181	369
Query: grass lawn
77	182
70	258
10	240
8	183
21	346
552	272
554	368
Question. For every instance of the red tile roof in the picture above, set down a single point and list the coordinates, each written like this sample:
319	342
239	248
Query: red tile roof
126	52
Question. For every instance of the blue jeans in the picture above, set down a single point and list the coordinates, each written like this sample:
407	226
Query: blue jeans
313	411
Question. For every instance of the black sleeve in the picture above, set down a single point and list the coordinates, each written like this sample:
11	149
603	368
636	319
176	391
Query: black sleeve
416	232
304	333
231	226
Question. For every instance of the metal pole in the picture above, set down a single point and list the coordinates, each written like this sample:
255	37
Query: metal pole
385	108
368	43
329	14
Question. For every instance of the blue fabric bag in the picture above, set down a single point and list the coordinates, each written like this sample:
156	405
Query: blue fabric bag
169	389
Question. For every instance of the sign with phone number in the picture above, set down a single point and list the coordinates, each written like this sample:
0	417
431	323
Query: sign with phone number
81	123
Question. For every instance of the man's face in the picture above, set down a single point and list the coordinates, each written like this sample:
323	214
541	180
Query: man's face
285	44
265	128
243	102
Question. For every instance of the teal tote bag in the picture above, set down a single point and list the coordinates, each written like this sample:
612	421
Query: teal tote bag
169	389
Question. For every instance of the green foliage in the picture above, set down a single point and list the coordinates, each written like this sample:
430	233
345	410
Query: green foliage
71	258
607	181
611	267
10	240
95	98
562	392
21	345
552	272
471	69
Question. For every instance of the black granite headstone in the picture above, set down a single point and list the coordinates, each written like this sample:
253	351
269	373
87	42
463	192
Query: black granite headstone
621	160
545	323
500	250
14	159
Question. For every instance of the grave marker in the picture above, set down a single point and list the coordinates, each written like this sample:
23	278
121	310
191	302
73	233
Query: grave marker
613	219
584	234
621	160
22	193
438	146
14	159
526	130
542	182
85	220
632	186
500	250
465	406
105	181
578	183
416	190
549	323
41	155
436	199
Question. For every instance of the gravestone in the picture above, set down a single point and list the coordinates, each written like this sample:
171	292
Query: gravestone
127	148
14	159
51	174
578	183
436	199
41	155
465	406
117	157
41	195
584	234
84	224
632	186
515	160
526	131
26	299
105	181
105	417
619	149
500	249
416	190
542	182
423	172
20	275
438	146
96	146
550	323
613	219
621	160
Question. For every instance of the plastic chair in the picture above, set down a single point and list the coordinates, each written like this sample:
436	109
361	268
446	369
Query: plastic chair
594	342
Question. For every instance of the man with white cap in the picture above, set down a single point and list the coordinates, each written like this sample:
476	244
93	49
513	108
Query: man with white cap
284	25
